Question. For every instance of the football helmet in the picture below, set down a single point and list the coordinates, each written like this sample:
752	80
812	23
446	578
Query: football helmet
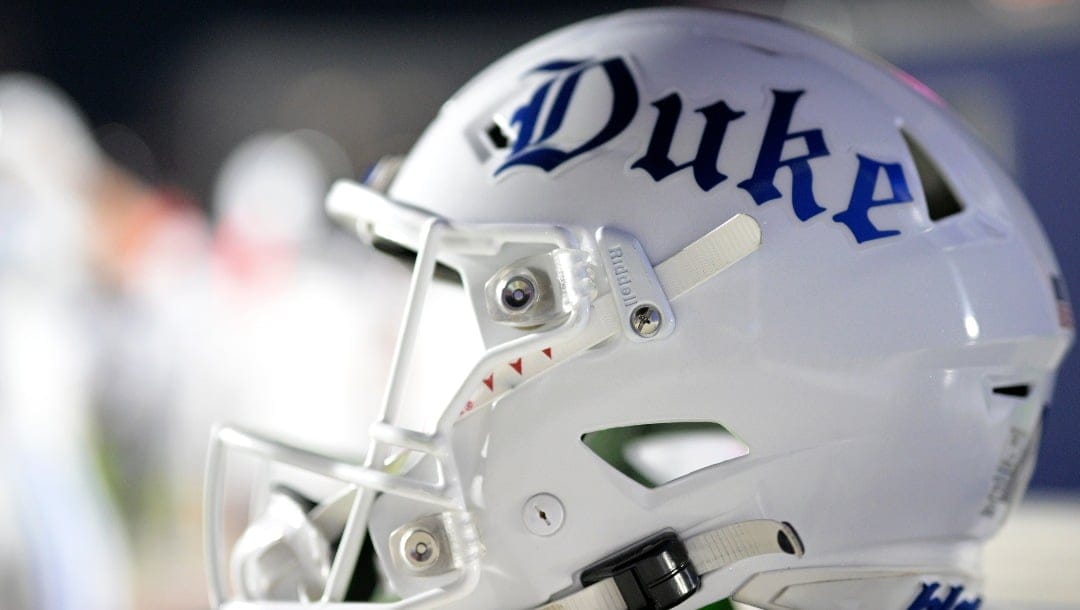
761	321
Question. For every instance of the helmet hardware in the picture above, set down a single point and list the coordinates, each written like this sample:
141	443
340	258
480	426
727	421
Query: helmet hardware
543	514
646	321
653	574
646	313
419	549
423	545
518	293
538	290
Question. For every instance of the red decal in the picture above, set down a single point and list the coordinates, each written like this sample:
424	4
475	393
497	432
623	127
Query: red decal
516	365
489	381
468	407
547	352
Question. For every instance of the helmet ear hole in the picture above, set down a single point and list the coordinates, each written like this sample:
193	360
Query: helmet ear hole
657	454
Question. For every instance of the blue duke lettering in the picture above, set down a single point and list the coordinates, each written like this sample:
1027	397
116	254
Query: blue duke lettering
542	116
529	146
928	600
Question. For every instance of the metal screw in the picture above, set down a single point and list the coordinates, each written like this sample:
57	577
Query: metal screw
646	321
543	514
518	293
419	549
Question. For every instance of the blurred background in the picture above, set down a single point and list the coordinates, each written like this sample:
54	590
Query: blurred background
162	167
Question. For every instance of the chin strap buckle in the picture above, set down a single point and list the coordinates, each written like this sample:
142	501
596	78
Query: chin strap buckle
651	575
662	571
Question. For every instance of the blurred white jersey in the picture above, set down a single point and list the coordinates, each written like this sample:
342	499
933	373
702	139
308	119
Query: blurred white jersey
67	548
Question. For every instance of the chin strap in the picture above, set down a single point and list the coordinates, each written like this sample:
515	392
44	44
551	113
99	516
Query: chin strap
717	250
662	571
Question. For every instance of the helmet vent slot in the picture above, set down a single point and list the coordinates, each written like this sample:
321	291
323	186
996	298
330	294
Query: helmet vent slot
941	201
1016	391
497	136
657	454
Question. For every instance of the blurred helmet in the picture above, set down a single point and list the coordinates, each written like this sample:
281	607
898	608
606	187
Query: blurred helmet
270	190
49	163
762	322
43	135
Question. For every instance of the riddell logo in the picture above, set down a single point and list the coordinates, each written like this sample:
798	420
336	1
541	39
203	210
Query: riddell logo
927	600
541	141
622	277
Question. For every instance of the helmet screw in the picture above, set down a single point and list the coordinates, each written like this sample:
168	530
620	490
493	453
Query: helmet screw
646	321
419	549
518	293
543	514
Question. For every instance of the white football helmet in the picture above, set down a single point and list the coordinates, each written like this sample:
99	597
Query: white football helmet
762	321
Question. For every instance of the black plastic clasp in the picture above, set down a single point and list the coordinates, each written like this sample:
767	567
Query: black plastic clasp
653	574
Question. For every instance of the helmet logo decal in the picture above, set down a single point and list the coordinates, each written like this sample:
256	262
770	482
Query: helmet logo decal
542	117
656	160
857	214
952	601
760	185
506	381
532	148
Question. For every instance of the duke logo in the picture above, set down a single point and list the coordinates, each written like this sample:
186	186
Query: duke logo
927	600
539	119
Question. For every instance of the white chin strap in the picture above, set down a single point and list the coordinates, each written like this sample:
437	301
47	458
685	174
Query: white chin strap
707	552
710	254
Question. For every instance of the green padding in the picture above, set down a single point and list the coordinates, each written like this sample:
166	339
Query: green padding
610	445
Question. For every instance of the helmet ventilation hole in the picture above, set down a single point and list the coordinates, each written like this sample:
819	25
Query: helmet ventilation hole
785	543
941	201
657	454
1016	391
498	138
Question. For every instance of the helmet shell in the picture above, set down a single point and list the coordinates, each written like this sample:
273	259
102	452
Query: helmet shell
856	353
